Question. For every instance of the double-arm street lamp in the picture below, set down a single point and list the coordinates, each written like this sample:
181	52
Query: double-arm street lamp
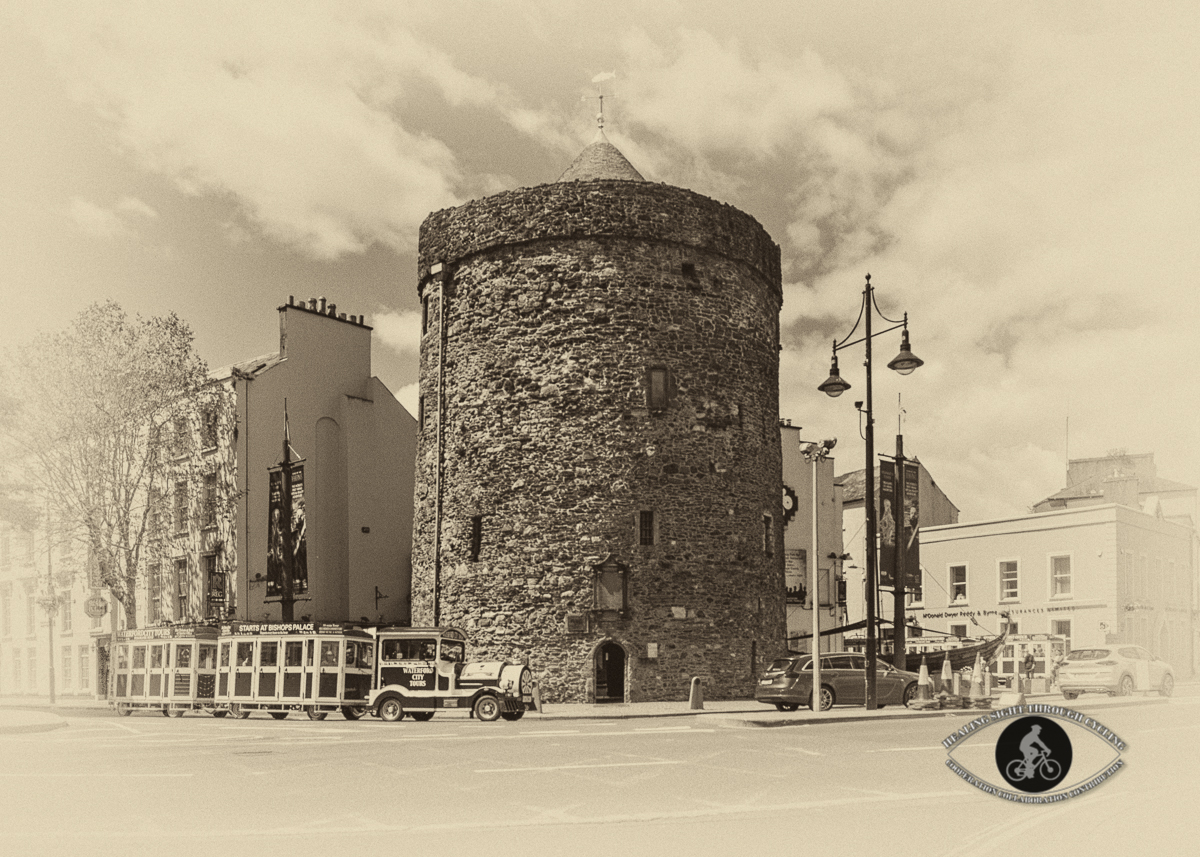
904	363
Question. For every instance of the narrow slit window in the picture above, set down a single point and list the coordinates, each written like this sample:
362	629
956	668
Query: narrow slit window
476	537
658	384
645	528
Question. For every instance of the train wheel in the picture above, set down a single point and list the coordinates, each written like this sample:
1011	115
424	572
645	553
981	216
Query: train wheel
279	715
391	711
219	712
353	712
123	709
239	712
175	712
422	716
512	716
166	712
313	714
487	708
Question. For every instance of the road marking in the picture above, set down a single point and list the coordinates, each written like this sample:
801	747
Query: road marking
83	775
903	749
577	767
805	751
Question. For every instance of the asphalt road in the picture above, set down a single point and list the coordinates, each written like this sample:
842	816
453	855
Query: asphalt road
151	785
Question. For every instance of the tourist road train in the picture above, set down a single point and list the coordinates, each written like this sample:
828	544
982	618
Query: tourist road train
314	668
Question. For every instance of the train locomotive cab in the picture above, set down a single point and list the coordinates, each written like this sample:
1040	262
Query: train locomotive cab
423	670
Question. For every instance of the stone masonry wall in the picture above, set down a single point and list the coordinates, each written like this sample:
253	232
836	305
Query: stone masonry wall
557	300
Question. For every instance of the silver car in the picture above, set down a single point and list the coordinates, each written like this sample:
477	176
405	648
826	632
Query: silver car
787	683
1115	670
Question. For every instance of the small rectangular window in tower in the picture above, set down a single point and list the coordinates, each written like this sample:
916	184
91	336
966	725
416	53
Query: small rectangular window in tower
658	388
476	537
421	413
645	528
689	270
424	314
768	536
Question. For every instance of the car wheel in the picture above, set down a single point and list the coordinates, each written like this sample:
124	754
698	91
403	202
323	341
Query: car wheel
279	715
1167	687
313	714
826	698
422	716
487	708
391	711
238	712
123	709
219	712
1126	687
910	693
513	716
1070	694
175	712
353	712
787	706
166	712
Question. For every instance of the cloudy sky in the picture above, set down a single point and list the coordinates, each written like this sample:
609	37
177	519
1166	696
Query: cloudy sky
1022	179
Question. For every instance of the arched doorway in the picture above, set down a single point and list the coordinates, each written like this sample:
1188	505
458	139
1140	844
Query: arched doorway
610	672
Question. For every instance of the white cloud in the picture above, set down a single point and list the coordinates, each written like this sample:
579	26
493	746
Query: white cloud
115	222
410	397
301	113
400	331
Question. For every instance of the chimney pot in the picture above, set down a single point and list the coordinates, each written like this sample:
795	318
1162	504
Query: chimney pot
333	310
312	304
322	299
341	316
291	300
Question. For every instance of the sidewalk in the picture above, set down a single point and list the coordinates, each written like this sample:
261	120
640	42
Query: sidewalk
34	714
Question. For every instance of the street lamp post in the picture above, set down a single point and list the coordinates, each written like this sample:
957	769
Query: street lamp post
816	452
904	363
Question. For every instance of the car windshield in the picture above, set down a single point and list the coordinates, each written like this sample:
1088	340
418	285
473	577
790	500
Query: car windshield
1088	654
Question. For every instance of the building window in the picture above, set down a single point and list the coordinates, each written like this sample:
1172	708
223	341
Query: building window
210	500
769	535
421	413
67	613
181	507
31	667
1125	576
214	583
1009	580
181	588
84	669
424	314
958	583
179	436
658	388
1009	626
958	630
689	270
1062	628
1060	576
154	609
5	615
208	428
476	537
66	665
30	615
645	528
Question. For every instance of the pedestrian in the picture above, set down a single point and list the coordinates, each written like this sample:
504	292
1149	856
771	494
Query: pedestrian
1028	665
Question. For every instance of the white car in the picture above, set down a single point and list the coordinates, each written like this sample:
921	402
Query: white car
1115	670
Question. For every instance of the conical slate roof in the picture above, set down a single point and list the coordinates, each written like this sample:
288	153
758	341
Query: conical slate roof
600	160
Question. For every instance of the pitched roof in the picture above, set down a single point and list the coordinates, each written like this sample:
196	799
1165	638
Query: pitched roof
600	159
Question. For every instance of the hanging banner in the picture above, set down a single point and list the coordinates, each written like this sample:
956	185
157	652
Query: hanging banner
287	544
887	525
911	528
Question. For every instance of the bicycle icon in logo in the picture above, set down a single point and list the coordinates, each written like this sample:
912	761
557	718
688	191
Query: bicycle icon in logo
1042	766
1033	754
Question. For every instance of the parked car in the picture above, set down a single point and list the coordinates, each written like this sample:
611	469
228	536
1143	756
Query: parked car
787	682
1115	670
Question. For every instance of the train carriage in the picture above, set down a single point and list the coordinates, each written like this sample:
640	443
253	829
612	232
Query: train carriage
170	669
284	667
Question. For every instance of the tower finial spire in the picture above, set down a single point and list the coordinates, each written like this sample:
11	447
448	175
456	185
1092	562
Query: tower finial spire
599	81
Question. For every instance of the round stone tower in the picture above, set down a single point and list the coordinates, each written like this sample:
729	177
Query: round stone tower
598	472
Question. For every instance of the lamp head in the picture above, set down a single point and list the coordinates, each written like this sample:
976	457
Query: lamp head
834	386
905	362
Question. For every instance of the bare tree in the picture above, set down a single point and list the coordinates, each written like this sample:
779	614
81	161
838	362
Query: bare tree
84	414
